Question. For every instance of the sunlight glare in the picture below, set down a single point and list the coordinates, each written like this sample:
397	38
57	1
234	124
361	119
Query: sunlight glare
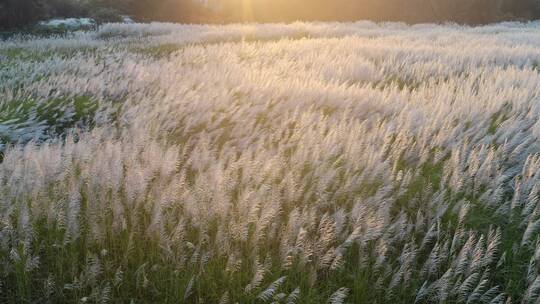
247	10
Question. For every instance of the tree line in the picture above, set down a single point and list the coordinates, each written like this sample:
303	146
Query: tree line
20	13
411	11
17	13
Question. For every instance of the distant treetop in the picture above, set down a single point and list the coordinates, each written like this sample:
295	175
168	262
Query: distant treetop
18	13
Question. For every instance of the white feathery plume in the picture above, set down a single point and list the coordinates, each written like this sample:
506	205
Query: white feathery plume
532	228
270	291
339	296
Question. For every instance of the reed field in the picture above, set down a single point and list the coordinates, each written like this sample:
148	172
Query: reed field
271	163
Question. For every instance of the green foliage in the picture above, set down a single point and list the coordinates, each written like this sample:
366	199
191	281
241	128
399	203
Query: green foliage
24	120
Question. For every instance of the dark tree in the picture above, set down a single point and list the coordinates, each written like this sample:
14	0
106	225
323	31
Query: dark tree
16	13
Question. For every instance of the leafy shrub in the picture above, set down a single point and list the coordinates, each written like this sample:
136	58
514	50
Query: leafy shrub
106	15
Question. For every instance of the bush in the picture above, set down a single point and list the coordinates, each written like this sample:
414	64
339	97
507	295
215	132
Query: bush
105	15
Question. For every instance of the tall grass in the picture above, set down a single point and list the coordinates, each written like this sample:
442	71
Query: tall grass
305	163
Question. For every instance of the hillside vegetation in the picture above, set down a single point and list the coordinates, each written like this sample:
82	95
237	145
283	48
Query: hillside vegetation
302	163
412	11
16	13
